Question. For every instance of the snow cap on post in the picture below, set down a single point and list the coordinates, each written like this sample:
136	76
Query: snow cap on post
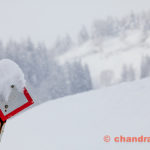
10	74
14	96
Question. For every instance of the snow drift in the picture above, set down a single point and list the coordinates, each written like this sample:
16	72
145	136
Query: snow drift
80	122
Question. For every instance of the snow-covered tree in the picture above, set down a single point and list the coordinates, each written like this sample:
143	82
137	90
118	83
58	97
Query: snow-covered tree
145	67
128	73
83	35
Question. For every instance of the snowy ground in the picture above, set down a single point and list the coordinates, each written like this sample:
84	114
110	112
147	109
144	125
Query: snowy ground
79	122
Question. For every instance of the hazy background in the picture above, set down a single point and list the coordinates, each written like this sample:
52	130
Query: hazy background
45	20
67	47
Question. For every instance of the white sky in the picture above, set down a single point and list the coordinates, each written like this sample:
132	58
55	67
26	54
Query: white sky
44	20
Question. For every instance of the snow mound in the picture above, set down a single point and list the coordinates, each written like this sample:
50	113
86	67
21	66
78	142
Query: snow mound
81	121
10	74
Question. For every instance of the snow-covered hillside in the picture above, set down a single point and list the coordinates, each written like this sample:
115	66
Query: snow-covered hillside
109	58
79	122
